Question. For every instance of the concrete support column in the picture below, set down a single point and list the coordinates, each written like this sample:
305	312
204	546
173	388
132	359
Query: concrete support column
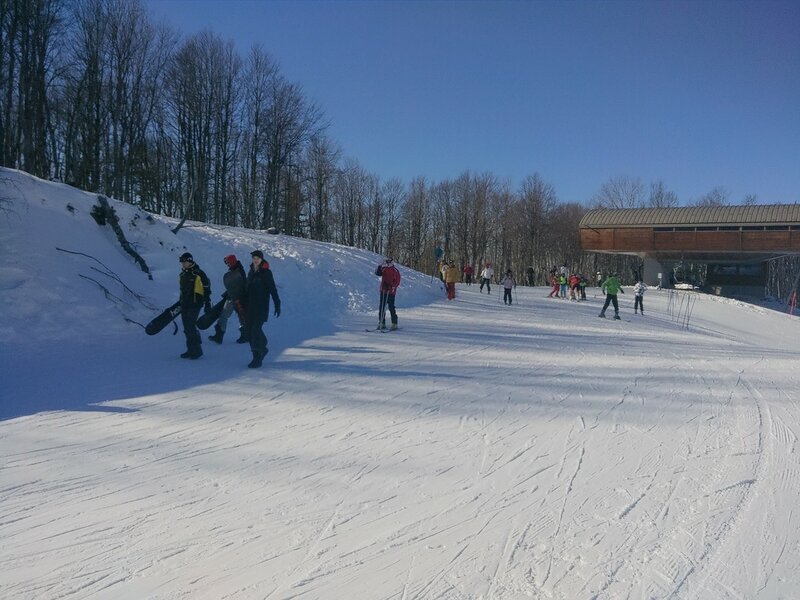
651	270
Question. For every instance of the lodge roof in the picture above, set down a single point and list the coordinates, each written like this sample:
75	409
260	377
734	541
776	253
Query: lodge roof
770	214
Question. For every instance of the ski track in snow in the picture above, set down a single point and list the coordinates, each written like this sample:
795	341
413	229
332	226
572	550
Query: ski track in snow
481	452
489	469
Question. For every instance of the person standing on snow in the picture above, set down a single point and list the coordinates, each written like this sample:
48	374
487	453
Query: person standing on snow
235	282
195	289
260	286
562	284
486	278
508	283
555	286
451	277
531	276
468	271
611	287
390	280
638	296
574	281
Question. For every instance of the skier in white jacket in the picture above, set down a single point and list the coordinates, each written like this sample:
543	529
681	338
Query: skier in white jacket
486	278
638	294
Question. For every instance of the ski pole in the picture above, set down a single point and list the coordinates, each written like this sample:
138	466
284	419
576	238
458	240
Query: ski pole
382	309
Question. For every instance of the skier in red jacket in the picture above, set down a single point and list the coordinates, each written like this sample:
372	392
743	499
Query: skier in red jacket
390	279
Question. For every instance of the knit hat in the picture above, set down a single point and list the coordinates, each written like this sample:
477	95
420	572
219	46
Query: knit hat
257	253
186	257
230	260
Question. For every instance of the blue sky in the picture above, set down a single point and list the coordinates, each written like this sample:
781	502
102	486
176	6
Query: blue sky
698	94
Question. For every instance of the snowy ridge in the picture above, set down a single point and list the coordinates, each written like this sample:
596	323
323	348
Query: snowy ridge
482	451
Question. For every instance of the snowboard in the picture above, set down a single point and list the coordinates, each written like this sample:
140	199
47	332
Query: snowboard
164	319
206	320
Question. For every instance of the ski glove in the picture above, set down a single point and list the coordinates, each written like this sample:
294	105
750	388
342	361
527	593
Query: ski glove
277	311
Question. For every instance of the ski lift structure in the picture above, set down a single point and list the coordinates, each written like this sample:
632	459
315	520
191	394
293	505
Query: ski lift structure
724	249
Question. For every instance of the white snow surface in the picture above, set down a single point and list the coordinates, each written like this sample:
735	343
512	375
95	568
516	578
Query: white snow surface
482	451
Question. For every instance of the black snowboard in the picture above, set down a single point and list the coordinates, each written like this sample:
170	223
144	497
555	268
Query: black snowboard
209	318
164	319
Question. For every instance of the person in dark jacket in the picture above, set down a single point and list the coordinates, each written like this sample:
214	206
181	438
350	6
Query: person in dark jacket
195	291
260	286
235	282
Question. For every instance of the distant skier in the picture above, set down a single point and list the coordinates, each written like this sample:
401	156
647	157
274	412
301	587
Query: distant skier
574	281
582	287
451	277
508	284
638	296
468	272
260	287
555	285
235	282
390	280
562	284
611	286
486	278
531	276
195	289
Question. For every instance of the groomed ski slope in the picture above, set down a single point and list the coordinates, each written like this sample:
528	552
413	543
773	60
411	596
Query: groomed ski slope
482	451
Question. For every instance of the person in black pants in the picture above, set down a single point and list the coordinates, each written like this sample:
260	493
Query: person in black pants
195	291
260	287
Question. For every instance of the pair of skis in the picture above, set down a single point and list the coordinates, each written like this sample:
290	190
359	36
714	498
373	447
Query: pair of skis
382	316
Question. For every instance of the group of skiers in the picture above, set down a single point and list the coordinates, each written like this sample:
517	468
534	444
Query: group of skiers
450	275
249	295
561	282
610	286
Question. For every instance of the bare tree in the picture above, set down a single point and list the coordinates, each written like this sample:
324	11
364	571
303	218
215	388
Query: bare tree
661	197
290	122
321	163
750	200
620	192
716	197
393	196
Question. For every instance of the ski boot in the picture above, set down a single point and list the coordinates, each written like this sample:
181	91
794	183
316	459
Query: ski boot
602	315
393	327
258	359
218	335
616	317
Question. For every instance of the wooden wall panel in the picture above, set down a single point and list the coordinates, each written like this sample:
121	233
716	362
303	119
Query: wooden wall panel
769	241
643	239
633	240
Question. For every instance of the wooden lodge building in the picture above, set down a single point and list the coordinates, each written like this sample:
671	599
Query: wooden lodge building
733	241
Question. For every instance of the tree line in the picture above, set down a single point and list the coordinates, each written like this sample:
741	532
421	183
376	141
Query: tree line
98	95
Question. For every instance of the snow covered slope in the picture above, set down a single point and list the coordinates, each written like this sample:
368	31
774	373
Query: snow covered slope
482	451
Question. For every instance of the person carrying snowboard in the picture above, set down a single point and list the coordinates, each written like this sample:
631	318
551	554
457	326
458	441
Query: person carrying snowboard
390	280
260	287
235	281
638	296
508	283
195	290
611	286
